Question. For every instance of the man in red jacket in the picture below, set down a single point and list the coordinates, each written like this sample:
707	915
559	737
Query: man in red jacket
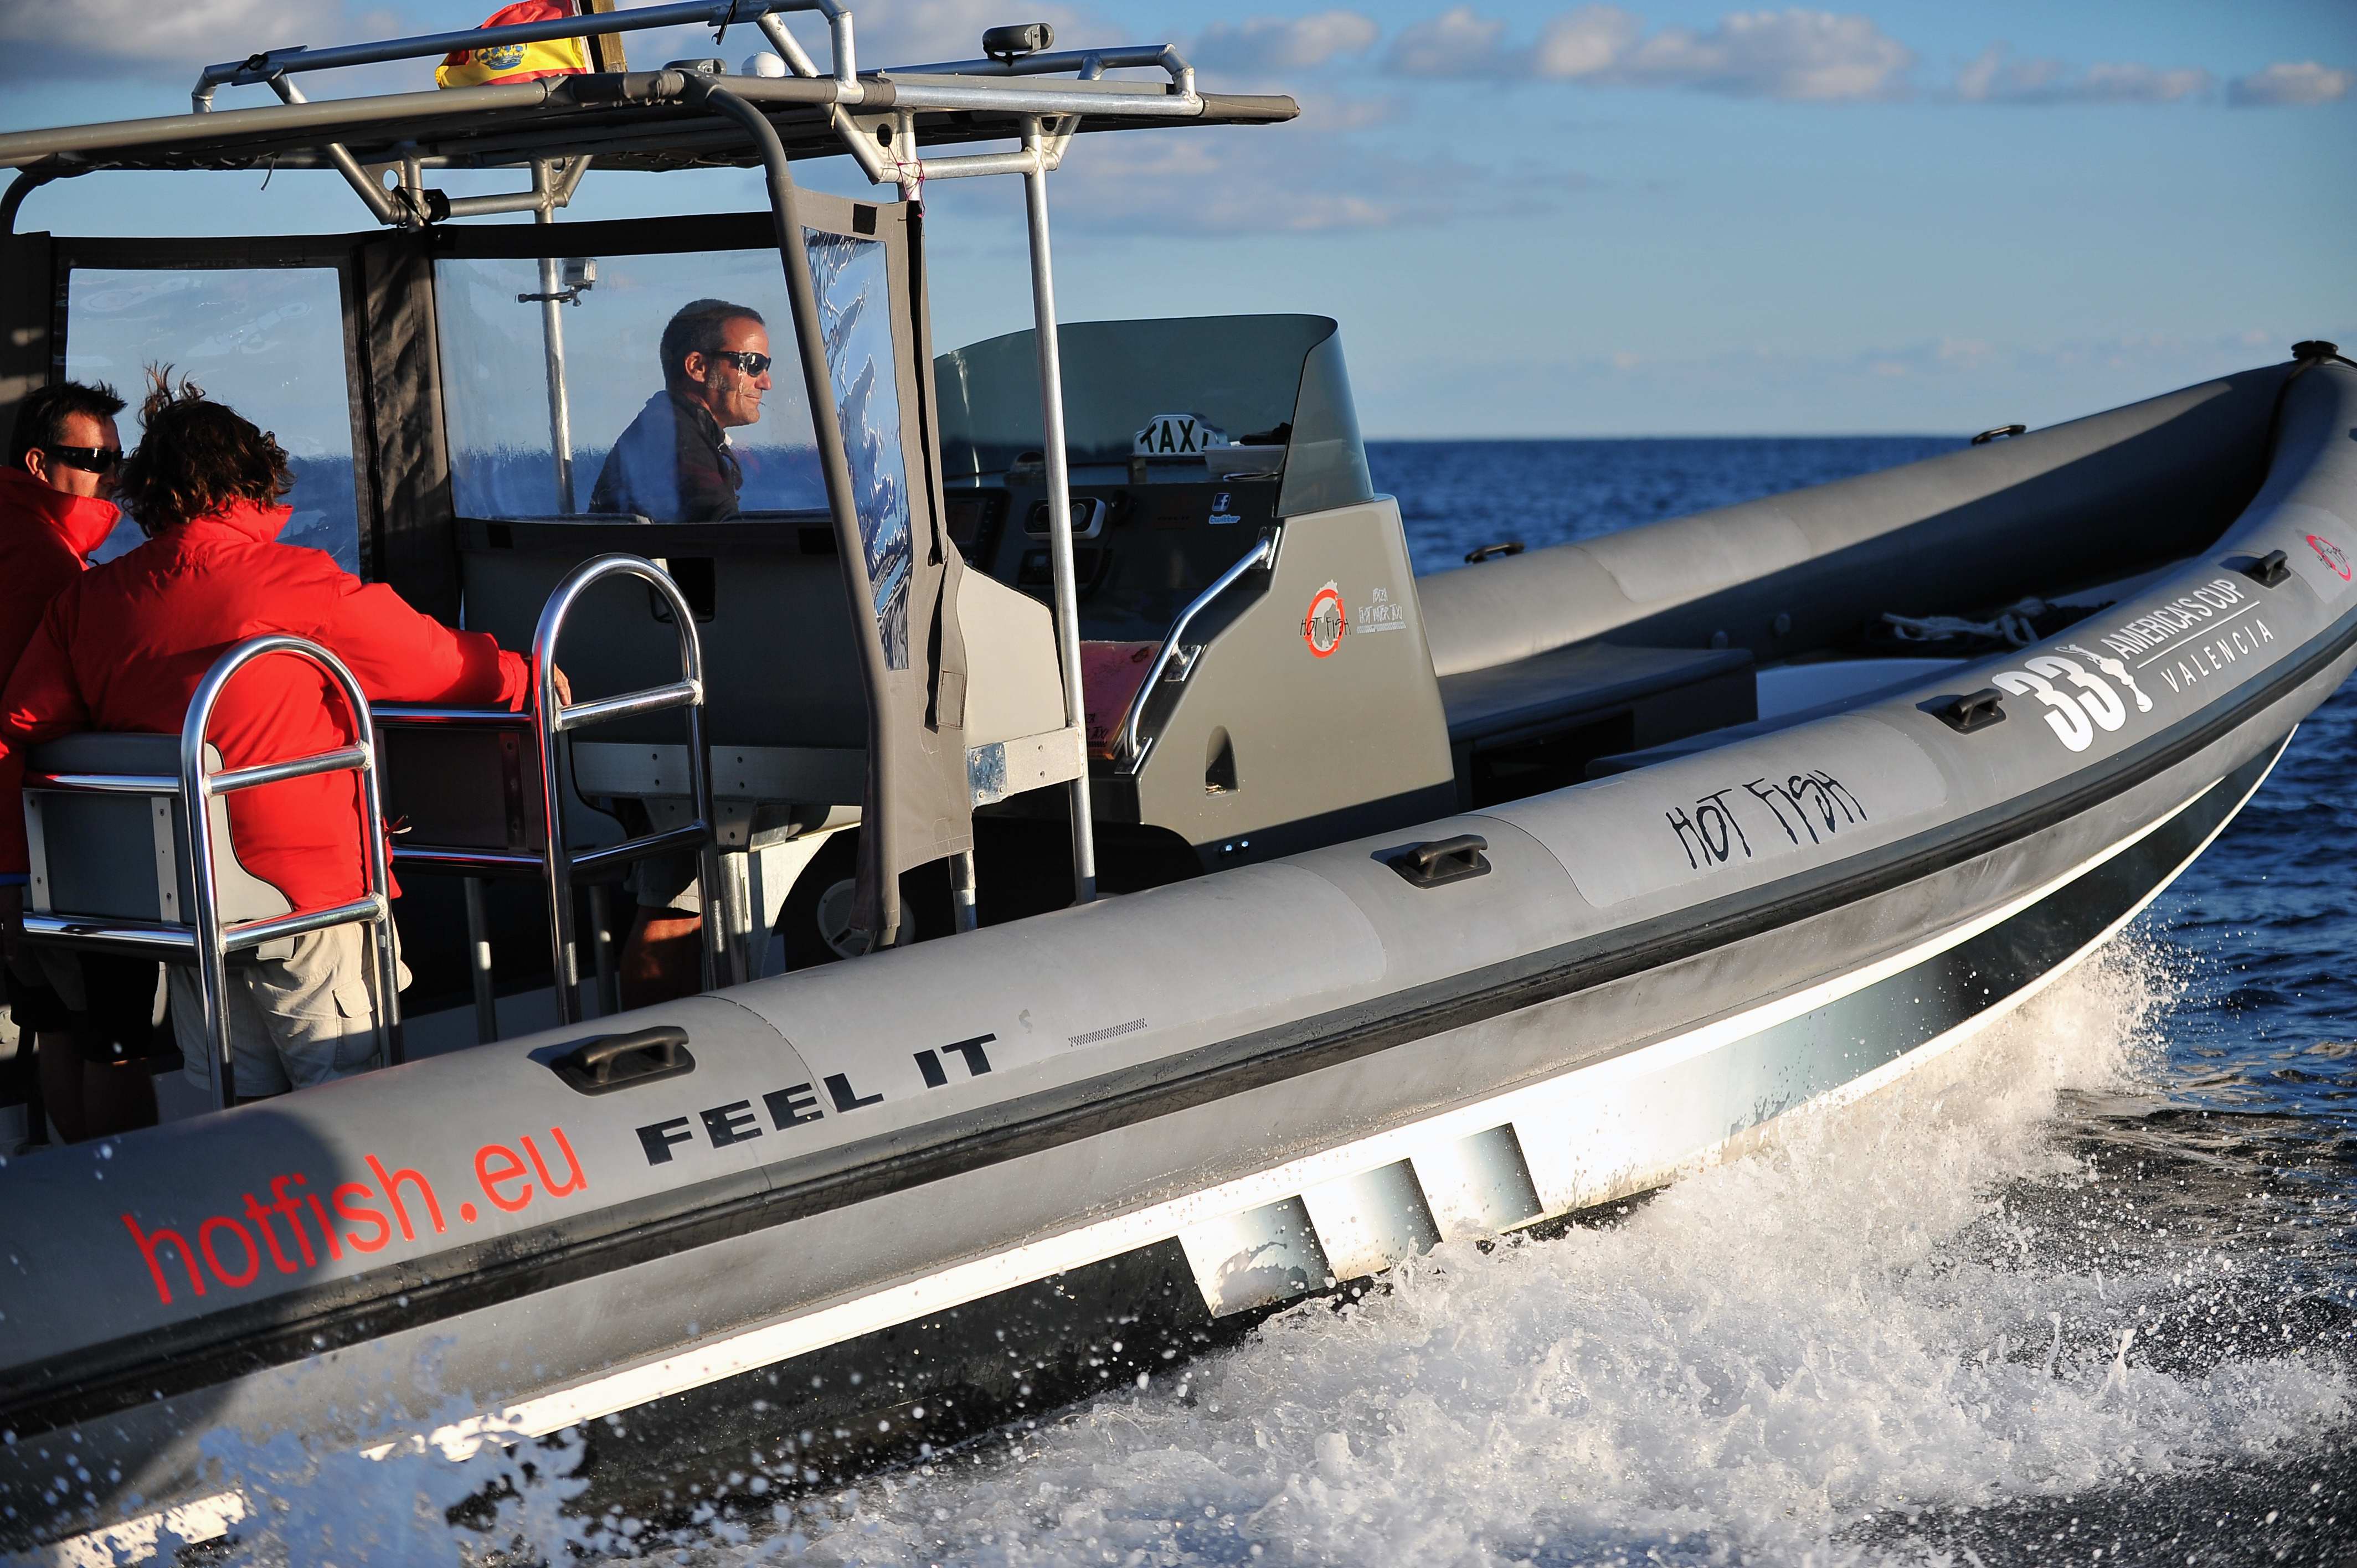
90	1017
124	648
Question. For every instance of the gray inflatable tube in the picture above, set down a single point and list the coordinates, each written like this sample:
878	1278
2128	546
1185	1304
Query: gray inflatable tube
1130	1121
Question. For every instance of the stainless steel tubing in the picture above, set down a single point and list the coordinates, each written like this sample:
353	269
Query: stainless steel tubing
654	700
198	787
479	963
961	898
1262	554
1060	504
18	148
709	12
552	343
601	948
106	783
372	194
623	853
552	719
143	938
341	760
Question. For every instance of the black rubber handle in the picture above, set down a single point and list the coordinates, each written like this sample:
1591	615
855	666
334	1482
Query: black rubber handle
1986	437
1437	862
1974	710
615	1061
2269	570
1509	547
1464	846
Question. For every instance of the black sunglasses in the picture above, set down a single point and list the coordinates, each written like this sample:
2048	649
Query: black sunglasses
89	459
745	360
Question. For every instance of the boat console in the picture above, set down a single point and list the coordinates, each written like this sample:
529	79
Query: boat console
1254	666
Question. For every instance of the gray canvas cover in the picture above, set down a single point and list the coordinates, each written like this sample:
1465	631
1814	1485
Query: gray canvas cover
902	573
25	304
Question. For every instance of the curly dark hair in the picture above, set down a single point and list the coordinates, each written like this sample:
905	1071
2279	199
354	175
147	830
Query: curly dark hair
194	457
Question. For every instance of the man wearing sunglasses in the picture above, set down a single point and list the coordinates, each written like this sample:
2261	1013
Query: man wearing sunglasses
673	465
91	1017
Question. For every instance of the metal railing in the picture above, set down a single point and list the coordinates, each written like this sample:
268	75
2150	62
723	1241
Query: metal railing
196	786
1261	557
718	14
550	721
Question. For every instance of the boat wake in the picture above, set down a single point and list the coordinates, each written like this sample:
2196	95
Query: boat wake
1913	1331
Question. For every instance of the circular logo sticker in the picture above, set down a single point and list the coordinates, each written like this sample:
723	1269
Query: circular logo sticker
2331	555
1323	627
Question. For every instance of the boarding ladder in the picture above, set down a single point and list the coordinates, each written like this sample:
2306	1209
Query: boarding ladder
549	722
178	914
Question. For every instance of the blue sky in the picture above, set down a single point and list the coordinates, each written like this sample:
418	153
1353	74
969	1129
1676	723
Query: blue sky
1666	218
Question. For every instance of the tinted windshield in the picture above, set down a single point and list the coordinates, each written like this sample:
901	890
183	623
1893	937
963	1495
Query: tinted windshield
1163	389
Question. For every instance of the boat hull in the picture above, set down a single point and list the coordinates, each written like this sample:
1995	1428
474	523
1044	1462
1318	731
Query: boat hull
1133	1120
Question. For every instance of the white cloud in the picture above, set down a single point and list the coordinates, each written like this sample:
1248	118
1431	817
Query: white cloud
1284	43
1456	43
112	37
1585	42
1238	181
2287	83
1997	77
1810	55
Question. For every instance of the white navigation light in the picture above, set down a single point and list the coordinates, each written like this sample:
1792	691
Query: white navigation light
1178	435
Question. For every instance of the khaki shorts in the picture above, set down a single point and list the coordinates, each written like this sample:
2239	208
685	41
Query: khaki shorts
293	1022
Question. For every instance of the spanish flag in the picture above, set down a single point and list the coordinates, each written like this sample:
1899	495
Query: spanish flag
516	62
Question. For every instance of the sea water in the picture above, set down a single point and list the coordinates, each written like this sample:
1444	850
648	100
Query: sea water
2084	1294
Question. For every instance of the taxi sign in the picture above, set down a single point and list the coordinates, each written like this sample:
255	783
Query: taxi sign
1177	435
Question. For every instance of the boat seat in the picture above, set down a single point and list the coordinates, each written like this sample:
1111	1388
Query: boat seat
1535	724
124	856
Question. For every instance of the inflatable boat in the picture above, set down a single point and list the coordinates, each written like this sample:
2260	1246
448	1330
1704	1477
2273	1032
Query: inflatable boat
1185	909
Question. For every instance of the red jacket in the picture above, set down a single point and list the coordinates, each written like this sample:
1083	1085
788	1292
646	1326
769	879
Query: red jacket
45	537
126	646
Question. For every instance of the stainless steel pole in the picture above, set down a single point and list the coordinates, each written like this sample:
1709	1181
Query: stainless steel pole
601	949
551	335
479	957
1059	500
962	902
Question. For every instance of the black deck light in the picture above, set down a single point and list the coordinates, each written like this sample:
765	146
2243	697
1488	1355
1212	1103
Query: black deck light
1008	44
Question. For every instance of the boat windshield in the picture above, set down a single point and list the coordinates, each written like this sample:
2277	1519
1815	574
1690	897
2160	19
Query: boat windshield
1168	389
1236	375
497	372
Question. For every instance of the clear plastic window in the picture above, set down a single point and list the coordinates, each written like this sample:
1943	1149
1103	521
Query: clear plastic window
496	377
269	342
855	306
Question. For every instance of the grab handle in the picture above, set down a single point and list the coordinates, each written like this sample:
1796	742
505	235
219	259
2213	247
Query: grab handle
2269	570
609	1062
1439	862
1973	710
